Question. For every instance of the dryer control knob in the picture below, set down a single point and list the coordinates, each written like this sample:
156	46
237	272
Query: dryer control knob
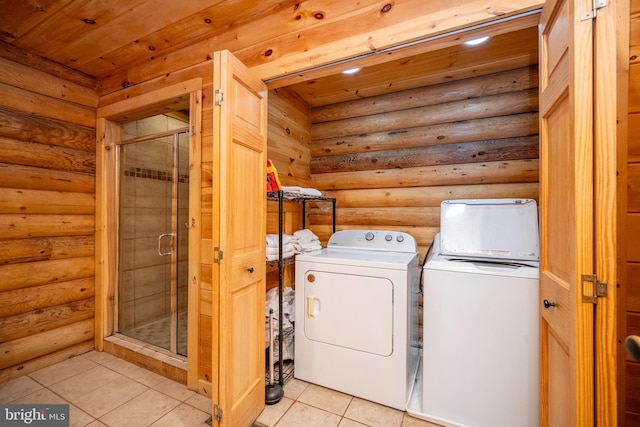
369	236
400	238
388	237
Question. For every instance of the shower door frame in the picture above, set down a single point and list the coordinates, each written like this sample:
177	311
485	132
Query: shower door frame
175	232
110	122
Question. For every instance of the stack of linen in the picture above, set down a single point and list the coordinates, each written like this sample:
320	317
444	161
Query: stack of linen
301	241
302	190
288	315
305	241
288	249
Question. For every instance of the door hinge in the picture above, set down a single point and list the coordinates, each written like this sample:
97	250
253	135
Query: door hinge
597	4
219	97
217	255
598	289
217	412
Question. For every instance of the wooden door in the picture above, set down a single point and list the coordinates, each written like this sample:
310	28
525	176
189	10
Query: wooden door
566	214
240	127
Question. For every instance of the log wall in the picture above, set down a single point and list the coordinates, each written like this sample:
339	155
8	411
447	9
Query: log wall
288	148
47	206
391	159
630	279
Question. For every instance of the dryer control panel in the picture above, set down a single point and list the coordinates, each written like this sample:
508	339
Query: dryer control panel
380	240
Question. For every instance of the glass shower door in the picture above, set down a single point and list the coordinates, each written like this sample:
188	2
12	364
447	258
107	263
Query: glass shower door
153	246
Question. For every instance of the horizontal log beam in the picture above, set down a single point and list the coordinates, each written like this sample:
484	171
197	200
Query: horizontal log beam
25	127
45	319
489	106
45	106
14	200
507	149
430	196
37	297
524	124
477	87
33	61
35	178
32	79
14	251
15	226
34	346
46	156
27	367
465	174
17	276
386	216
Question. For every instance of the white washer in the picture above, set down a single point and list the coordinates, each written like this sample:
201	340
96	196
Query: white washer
480	353
480	362
357	315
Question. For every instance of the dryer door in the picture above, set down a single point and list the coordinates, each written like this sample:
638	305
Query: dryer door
349	310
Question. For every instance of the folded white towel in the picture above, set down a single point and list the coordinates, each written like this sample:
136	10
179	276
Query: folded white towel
272	240
291	188
289	247
284	255
302	190
308	247
305	235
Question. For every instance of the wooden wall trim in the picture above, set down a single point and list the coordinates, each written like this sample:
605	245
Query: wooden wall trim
628	291
106	251
141	102
125	110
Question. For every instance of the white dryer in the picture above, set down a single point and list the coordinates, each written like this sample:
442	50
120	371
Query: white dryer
357	315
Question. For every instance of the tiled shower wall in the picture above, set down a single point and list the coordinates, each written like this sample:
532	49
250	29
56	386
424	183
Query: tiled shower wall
145	203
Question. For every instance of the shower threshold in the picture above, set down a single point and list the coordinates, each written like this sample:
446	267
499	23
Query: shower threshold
155	359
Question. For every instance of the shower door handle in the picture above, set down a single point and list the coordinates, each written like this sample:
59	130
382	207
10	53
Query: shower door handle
160	239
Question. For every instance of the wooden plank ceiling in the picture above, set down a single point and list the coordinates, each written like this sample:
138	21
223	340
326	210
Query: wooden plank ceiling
101	38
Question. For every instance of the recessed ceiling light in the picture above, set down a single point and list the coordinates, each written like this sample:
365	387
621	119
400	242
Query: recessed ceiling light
351	71
477	41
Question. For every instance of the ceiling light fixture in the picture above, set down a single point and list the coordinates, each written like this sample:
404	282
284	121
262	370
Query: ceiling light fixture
477	41
351	71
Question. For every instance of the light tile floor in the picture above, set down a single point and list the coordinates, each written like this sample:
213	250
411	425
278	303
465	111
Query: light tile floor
102	390
310	405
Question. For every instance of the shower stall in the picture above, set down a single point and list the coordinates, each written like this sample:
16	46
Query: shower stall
151	300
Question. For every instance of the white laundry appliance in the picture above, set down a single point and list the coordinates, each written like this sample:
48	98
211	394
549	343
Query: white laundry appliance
357	315
480	356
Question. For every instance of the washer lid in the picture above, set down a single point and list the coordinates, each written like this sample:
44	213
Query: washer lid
490	228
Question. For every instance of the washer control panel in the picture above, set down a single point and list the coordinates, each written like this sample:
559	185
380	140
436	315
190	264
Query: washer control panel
393	241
